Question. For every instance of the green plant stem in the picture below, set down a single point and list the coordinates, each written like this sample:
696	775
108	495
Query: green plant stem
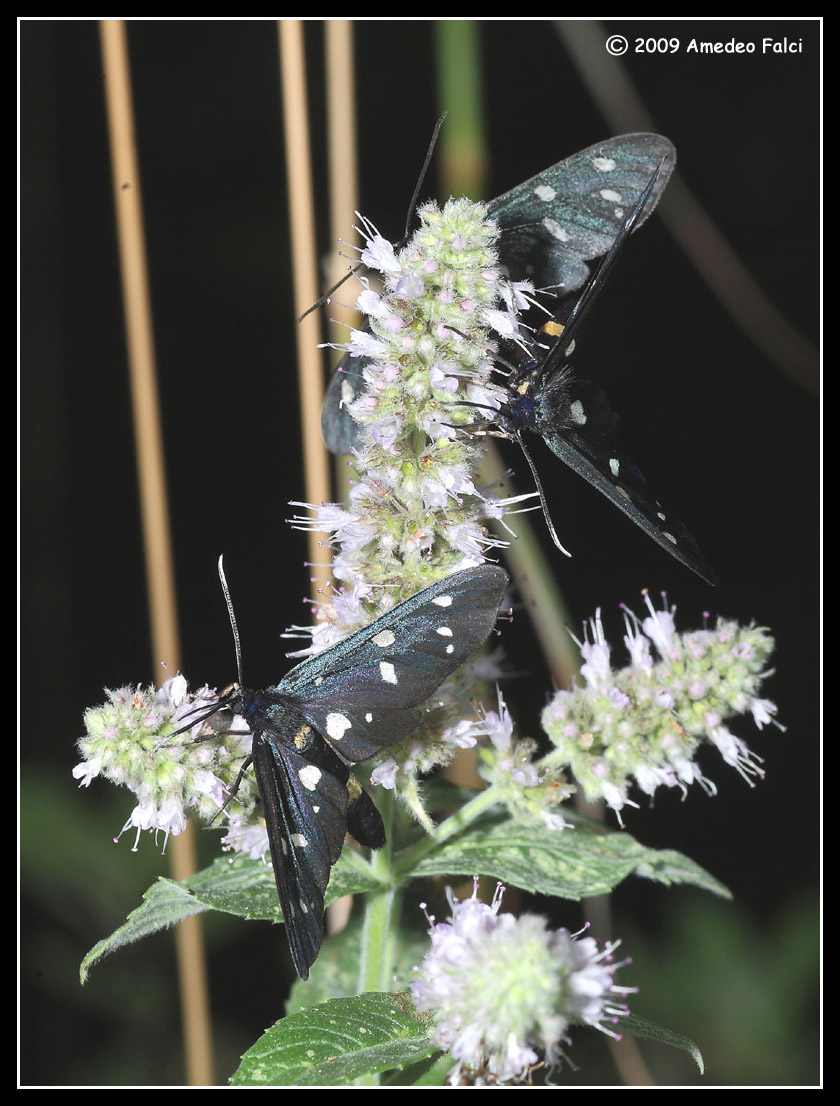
448	828
376	968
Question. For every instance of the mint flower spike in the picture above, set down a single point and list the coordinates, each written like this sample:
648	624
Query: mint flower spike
504	990
131	740
416	509
643	724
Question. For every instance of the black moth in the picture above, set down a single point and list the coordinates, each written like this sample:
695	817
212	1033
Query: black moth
574	418
550	225
341	707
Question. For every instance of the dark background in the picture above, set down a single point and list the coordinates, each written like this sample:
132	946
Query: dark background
726	437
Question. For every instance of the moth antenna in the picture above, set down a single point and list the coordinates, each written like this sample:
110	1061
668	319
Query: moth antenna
411	208
422	176
326	296
232	618
543	503
195	721
233	791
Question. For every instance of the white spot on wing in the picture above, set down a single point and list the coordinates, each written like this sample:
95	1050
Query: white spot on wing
450	648
368	717
298	840
545	193
444	631
610	195
577	412
604	164
555	230
443	601
384	638
387	672
614	466
336	725
310	776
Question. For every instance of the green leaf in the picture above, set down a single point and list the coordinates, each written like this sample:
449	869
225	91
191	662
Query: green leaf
574	863
336	1042
246	887
432	1071
639	1027
238	886
579	861
164	904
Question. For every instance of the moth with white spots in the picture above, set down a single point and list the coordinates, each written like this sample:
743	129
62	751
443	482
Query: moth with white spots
574	418
339	708
550	227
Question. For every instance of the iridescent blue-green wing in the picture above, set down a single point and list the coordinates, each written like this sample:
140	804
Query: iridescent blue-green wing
364	693
304	799
556	221
550	225
575	420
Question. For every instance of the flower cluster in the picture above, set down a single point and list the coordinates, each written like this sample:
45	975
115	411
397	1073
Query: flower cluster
643	724
415	514
126	742
530	790
416	509
503	990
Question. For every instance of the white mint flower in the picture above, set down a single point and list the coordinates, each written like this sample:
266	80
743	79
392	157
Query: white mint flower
645	723
245	836
385	774
378	253
170	749
503	991
362	343
519	295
